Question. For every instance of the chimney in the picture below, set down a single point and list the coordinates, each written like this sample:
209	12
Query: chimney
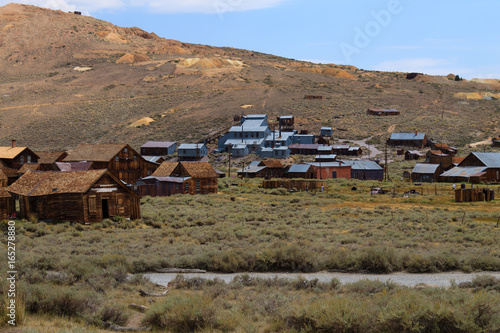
13	143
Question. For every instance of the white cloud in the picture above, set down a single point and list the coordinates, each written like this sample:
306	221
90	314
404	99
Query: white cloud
156	6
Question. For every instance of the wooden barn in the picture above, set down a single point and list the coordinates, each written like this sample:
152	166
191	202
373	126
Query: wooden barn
80	196
120	159
202	178
490	161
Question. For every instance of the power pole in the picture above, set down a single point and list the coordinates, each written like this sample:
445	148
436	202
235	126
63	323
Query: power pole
386	168
229	167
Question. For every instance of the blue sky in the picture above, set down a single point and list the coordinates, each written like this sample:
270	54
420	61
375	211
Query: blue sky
429	36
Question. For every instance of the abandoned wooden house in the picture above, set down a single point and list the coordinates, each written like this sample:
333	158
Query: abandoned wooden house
411	155
6	204
365	170
426	173
383	112
13	158
274	168
416	139
120	159
192	151
4	180
489	161
161	186
158	148
286	123
444	148
438	157
202	178
80	196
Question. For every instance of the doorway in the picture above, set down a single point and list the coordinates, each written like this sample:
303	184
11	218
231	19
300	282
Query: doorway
105	209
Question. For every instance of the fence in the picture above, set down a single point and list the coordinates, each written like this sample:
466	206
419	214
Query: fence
295	185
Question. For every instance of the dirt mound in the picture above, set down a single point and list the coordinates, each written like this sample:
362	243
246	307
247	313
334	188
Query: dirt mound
209	63
475	95
331	71
115	38
132	58
144	121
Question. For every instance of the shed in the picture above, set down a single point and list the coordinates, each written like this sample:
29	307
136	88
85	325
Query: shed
426	173
326	131
203	179
365	170
81	196
301	171
413	155
161	186
158	148
415	139
274	168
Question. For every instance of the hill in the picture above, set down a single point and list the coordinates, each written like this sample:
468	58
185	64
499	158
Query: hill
67	79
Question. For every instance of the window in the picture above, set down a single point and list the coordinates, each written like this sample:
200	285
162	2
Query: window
125	150
198	185
29	159
135	157
186	187
21	160
116	158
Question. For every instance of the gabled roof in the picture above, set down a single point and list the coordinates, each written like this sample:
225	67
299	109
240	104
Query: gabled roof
4	193
363	165
10	153
74	166
165	169
425	168
415	152
191	146
153	159
158	144
36	183
407	136
437	153
491	160
252	169
45	157
95	152
29	166
3	175
299	168
275	164
200	170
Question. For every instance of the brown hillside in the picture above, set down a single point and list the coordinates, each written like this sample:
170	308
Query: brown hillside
67	79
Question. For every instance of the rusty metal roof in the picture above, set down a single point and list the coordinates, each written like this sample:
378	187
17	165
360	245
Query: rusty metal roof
464	172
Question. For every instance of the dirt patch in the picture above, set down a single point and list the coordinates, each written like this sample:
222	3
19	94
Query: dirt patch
246	106
130	58
391	128
336	72
484	142
144	121
209	63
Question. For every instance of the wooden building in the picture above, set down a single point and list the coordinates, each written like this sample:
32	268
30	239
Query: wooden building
4	180
6	204
416	139
161	186
274	168
495	142
438	157
13	158
426	173
383	112
444	148
304	171
202	178
48	159
120	159
490	161
411	155
158	148
80	196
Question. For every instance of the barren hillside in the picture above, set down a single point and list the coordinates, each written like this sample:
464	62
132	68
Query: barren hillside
66	79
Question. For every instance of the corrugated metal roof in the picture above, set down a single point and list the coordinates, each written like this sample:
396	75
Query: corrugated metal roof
329	164
491	160
363	165
286	117
383	110
465	172
253	141
253	169
74	166
407	136
340	146
191	146
168	179
313	146
325	148
326	156
299	168
158	144
425	168
254	163
153	159
326	128
354	148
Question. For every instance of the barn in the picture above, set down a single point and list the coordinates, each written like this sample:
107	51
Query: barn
426	173
80	196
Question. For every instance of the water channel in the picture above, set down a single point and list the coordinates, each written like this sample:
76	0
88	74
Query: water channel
406	279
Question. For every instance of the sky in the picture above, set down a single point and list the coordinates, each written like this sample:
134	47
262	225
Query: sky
428	36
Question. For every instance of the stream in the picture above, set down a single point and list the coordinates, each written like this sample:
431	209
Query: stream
406	279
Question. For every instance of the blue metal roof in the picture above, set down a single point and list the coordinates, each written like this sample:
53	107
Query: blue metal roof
465	172
425	168
491	160
407	136
249	141
363	165
299	168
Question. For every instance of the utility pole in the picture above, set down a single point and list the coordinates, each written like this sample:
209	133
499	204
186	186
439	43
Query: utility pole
386	168
229	167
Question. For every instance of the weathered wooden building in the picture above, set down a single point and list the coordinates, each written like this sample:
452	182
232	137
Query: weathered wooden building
81	196
48	159
6	204
304	171
365	170
192	151
444	148
201	176
274	168
13	158
161	186
383	112
490	161
426	173
120	159
408	139
495	142
438	157
413	155
158	148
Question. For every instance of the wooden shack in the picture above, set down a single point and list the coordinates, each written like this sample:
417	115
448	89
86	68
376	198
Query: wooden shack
274	168
201	176
80	196
413	155
120	159
158	148
161	186
495	142
6	204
